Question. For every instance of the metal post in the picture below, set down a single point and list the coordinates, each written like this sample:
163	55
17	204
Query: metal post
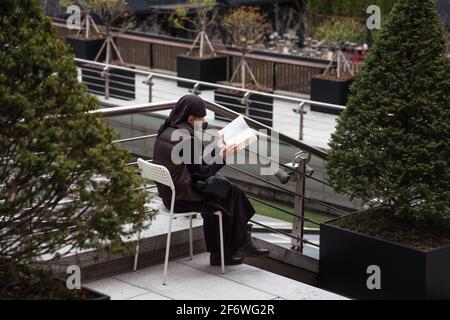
299	163
302	119
202	41
243	79
339	64
149	83
106	74
246	102
195	90
301	111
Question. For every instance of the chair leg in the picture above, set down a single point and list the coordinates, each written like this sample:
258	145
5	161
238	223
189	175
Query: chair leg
222	255
191	240
166	260
136	256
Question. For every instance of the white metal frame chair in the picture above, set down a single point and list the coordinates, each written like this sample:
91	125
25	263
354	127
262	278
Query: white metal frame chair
162	175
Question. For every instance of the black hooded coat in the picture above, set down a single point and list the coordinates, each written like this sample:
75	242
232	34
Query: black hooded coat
235	207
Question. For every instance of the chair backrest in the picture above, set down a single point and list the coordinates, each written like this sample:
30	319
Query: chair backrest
156	172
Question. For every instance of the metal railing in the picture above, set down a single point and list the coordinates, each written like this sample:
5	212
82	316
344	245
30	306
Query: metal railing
300	171
274	70
298	167
247	102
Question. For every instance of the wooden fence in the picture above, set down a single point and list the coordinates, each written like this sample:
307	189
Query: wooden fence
274	72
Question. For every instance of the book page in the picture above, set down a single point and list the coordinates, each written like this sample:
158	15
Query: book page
239	133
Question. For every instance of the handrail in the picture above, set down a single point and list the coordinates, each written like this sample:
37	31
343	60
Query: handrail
213	85
161	106
306	198
215	107
284	211
223	111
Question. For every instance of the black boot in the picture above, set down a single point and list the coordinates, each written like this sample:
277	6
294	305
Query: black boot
214	260
249	246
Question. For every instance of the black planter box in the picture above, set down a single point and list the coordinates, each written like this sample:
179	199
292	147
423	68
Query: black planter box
211	69
260	108
405	273
86	48
122	83
329	91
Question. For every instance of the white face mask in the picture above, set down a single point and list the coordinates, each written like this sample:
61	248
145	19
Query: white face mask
198	125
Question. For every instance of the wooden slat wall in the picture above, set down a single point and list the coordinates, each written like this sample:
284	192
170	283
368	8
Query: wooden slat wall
165	57
270	72
262	70
295	78
134	52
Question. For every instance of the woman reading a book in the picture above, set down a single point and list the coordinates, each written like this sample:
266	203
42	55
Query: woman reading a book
187	115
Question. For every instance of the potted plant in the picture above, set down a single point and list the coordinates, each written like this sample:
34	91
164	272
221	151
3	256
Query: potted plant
391	150
88	40
113	82
333	85
63	184
246	27
202	64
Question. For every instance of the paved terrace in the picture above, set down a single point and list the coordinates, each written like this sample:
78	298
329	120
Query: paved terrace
194	279
197	280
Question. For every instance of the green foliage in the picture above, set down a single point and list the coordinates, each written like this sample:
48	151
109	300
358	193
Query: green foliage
110	11
95	5
52	148
318	12
199	15
347	8
391	144
201	7
337	30
246	26
20	282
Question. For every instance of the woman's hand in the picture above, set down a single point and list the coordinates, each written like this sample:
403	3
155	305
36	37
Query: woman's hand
224	149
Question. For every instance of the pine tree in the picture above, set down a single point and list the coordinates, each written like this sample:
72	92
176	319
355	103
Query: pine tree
392	143
53	149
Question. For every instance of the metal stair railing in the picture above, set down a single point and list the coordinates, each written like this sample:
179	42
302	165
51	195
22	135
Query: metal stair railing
297	235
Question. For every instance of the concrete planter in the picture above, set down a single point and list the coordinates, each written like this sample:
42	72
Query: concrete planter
329	91
260	107
210	69
347	261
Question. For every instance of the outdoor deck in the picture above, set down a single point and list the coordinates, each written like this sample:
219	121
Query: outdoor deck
196	279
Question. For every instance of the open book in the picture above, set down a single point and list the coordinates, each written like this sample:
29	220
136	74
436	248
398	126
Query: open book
239	133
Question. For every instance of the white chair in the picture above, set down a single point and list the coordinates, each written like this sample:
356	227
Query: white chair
161	174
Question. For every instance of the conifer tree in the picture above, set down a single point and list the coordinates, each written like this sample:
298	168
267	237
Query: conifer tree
392	143
53	149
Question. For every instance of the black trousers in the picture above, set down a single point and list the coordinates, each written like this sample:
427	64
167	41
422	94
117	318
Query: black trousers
236	212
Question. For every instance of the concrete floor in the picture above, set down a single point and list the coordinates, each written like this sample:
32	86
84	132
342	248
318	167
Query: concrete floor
197	280
193	279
